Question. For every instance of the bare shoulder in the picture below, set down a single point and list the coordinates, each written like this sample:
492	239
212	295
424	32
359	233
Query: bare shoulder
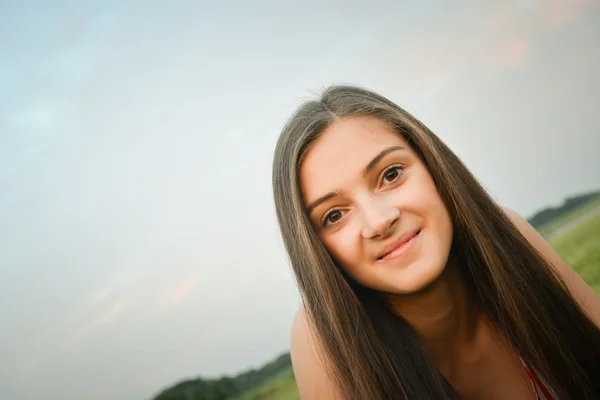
311	375
583	293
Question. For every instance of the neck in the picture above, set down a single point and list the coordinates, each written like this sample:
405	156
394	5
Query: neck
442	315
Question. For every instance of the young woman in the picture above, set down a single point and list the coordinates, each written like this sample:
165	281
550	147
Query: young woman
415	283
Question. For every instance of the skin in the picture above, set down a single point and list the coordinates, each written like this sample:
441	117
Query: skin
371	211
362	198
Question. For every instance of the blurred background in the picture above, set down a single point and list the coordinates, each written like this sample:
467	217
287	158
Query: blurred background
139	252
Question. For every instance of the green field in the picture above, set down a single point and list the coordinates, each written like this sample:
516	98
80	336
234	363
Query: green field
580	248
282	386
548	228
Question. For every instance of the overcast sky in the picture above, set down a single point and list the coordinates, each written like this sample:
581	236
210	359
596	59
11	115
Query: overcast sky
138	243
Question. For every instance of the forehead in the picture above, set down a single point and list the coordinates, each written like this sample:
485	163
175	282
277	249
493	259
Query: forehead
342	152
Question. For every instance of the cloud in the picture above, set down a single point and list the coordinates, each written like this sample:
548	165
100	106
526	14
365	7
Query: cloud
562	12
512	54
113	313
178	293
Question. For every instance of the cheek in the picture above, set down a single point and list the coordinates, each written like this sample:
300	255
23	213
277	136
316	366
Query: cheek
345	247
439	222
433	210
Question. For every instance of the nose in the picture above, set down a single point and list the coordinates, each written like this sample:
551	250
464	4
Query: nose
378	218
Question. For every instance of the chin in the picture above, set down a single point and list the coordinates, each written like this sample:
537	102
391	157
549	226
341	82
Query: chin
415	278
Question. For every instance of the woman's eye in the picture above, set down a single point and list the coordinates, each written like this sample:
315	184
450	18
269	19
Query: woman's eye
332	217
391	174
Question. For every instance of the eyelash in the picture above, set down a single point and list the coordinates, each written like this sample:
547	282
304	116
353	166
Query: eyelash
385	171
400	168
327	214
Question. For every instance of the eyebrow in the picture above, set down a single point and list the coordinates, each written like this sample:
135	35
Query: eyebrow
379	156
367	169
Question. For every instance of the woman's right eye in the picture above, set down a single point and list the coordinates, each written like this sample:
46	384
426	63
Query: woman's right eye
332	217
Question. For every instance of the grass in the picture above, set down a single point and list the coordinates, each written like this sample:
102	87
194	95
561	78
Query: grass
557	223
281	387
580	248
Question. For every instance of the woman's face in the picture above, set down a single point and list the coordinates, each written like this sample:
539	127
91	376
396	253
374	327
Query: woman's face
375	206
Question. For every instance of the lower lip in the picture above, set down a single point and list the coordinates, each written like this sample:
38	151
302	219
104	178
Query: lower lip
402	250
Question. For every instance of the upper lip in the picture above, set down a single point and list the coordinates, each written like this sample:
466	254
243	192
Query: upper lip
397	243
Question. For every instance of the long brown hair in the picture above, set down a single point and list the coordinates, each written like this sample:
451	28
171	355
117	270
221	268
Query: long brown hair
373	353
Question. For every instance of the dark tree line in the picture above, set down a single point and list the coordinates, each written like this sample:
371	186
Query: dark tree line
548	214
225	388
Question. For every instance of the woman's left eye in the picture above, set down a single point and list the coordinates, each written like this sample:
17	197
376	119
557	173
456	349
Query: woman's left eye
391	174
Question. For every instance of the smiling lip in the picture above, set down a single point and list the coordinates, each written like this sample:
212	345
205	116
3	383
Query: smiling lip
399	247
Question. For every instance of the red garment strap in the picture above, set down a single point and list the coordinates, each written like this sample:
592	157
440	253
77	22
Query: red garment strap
532	380
541	385
535	380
